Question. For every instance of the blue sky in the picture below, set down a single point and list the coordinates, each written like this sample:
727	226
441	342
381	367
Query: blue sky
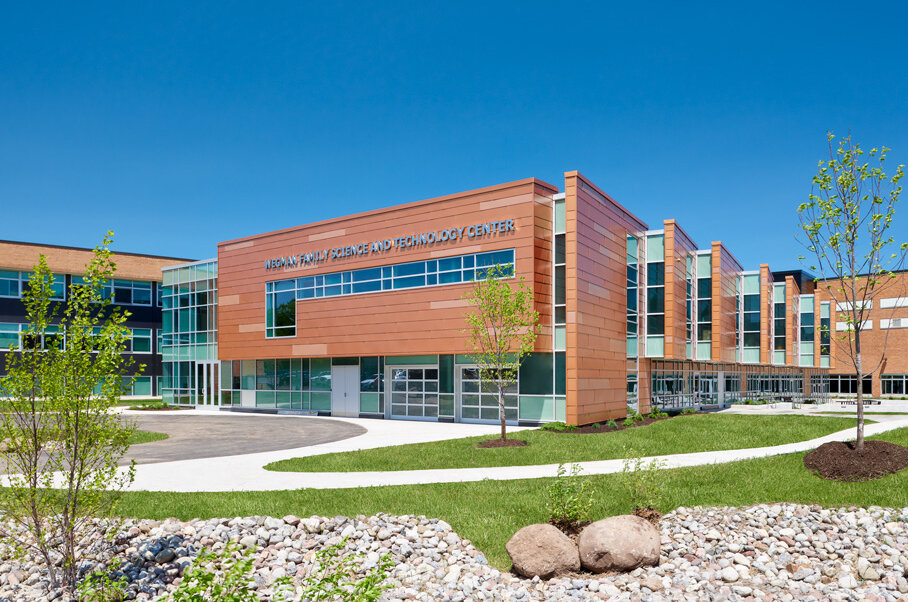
179	125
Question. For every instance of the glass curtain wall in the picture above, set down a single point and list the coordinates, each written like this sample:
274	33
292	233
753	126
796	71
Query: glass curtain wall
778	324
750	318
704	306
806	334
825	334
189	324
655	295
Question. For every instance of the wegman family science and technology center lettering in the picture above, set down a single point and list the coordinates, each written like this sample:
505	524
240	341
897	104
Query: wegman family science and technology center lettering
399	243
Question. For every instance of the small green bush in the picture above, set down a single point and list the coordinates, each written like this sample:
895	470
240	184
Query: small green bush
642	480
596	425
569	497
611	424
98	586
628	421
638	417
225	577
553	426
688	411
339	576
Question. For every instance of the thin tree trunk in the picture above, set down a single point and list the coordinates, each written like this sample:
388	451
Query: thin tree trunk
504	434
859	442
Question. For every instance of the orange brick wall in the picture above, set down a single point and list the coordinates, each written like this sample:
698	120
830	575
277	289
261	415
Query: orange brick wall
883	351
725	269
677	247
68	260
596	237
404	322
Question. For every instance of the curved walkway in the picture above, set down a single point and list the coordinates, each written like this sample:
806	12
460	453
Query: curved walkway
245	473
192	436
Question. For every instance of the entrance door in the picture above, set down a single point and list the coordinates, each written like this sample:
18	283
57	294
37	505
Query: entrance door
345	391
207	383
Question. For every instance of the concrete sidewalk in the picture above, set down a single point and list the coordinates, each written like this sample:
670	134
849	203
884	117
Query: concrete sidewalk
245	473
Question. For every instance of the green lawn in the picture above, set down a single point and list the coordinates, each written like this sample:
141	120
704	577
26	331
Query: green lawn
139	437
682	434
866	413
489	512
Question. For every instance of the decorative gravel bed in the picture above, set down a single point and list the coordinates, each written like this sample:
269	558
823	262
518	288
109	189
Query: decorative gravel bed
769	552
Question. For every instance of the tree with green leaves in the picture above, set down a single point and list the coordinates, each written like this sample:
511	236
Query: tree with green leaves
847	222
63	440
501	328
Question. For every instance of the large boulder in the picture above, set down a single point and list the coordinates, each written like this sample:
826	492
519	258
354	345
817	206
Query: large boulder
619	543
542	550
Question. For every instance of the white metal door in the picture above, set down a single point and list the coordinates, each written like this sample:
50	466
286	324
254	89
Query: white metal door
345	391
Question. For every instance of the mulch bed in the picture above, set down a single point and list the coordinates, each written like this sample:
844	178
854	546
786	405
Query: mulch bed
650	514
570	528
499	443
838	461
590	429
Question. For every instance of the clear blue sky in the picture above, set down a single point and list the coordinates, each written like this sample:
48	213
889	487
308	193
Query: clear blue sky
179	125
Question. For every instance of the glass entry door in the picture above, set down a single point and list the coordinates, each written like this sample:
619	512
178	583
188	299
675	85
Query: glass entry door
414	392
206	382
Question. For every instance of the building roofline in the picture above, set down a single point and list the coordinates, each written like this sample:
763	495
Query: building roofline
72	248
373	212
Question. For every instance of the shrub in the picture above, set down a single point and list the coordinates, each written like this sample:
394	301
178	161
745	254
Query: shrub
101	586
611	424
657	413
553	426
628	421
597	426
641	480
224	577
569	498
688	411
339	576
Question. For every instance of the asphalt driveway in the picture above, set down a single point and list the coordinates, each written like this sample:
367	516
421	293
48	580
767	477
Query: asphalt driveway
195	436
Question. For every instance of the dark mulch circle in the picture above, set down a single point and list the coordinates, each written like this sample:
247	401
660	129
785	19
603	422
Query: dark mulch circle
838	461
502	443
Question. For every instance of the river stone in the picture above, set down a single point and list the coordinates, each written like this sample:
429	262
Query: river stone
619	543
542	550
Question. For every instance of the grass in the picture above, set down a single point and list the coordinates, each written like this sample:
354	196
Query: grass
130	403
682	434
489	512
846	412
139	437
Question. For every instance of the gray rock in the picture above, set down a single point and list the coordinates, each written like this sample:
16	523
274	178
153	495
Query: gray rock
543	551
619	543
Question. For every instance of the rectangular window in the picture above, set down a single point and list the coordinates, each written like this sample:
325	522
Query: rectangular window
750	318
632	293
13	284
140	340
122	292
779	322
416	274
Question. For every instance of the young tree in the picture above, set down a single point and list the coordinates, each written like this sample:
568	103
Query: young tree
502	329
847	223
64	443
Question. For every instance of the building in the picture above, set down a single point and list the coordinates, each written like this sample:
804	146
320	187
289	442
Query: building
137	287
363	315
